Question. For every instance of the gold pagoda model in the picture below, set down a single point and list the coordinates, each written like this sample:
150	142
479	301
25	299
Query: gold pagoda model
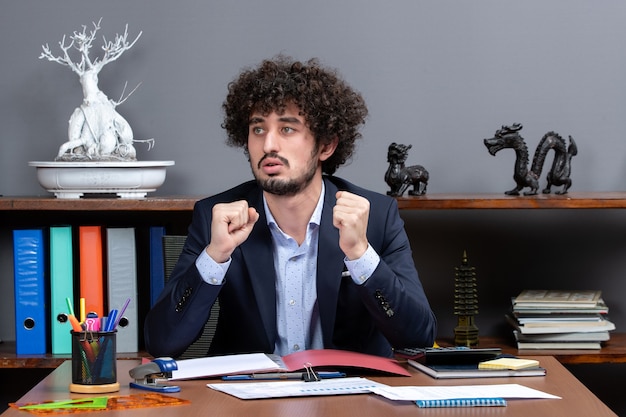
465	304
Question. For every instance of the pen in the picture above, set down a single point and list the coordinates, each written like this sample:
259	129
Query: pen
111	321
75	324
280	376
103	323
69	306
82	312
121	313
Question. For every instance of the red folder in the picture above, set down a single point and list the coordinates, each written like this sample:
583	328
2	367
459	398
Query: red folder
250	363
91	272
318	358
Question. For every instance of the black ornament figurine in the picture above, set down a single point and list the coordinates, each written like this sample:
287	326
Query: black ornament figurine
465	304
399	177
559	174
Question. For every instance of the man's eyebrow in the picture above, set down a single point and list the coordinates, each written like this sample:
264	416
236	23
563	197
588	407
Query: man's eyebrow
284	119
289	119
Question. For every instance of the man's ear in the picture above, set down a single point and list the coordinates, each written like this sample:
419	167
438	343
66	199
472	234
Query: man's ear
328	149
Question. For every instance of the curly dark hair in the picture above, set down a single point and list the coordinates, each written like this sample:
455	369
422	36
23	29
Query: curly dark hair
331	108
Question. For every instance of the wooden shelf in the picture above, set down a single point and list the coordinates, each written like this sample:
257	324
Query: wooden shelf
613	351
9	359
183	203
578	200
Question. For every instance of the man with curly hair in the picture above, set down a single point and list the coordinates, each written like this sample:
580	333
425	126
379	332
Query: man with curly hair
298	258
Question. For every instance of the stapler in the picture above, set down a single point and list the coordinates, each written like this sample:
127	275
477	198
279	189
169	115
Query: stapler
147	374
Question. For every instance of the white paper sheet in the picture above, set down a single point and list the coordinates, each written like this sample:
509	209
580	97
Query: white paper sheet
414	393
277	389
223	365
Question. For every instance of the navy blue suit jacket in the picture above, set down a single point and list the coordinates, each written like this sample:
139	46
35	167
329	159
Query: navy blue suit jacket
389	310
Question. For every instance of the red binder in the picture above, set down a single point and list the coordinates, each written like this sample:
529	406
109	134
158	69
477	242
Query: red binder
91	269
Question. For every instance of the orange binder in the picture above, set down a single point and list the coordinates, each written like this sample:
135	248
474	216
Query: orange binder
91	268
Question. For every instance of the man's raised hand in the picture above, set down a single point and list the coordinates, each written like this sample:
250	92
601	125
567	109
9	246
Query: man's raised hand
231	226
350	216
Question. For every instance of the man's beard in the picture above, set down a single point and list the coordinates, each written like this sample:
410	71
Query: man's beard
290	186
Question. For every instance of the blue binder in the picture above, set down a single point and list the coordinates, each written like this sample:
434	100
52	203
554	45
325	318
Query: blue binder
157	271
61	287
30	291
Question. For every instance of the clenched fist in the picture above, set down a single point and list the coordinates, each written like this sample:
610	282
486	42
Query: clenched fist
231	226
350	216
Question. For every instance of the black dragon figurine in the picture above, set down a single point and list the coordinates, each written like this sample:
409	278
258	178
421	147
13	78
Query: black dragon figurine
399	177
560	172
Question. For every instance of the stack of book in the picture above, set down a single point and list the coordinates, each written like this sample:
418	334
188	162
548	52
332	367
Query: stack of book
554	319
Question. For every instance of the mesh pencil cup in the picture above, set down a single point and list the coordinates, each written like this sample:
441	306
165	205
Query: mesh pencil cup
94	366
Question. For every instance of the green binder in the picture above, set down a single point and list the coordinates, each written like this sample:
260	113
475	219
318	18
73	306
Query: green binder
61	287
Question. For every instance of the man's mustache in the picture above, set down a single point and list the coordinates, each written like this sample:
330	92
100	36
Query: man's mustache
274	156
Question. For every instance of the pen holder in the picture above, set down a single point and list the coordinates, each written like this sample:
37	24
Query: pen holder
94	362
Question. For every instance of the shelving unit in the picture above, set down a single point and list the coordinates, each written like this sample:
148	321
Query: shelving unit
175	213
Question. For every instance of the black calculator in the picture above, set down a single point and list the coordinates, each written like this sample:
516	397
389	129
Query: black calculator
448	355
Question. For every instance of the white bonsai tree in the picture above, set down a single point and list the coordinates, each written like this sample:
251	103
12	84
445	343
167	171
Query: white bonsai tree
96	130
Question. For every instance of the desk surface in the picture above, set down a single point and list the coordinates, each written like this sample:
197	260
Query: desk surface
576	398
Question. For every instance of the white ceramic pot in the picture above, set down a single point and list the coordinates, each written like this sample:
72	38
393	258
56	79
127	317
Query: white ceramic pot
132	179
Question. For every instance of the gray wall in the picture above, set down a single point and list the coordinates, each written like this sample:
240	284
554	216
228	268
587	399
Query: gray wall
440	75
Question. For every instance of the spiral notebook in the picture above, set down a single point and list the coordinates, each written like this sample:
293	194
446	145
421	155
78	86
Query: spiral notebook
462	402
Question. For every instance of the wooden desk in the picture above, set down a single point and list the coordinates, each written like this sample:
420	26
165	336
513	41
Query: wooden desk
576	400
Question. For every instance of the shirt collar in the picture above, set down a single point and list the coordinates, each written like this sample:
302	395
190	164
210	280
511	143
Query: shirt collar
316	217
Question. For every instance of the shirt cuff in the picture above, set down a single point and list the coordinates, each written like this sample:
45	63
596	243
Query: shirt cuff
212	273
362	268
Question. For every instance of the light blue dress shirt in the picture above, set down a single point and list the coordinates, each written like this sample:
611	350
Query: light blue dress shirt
297	320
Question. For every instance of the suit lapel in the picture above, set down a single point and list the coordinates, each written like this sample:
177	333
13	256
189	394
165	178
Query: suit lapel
329	265
258	256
